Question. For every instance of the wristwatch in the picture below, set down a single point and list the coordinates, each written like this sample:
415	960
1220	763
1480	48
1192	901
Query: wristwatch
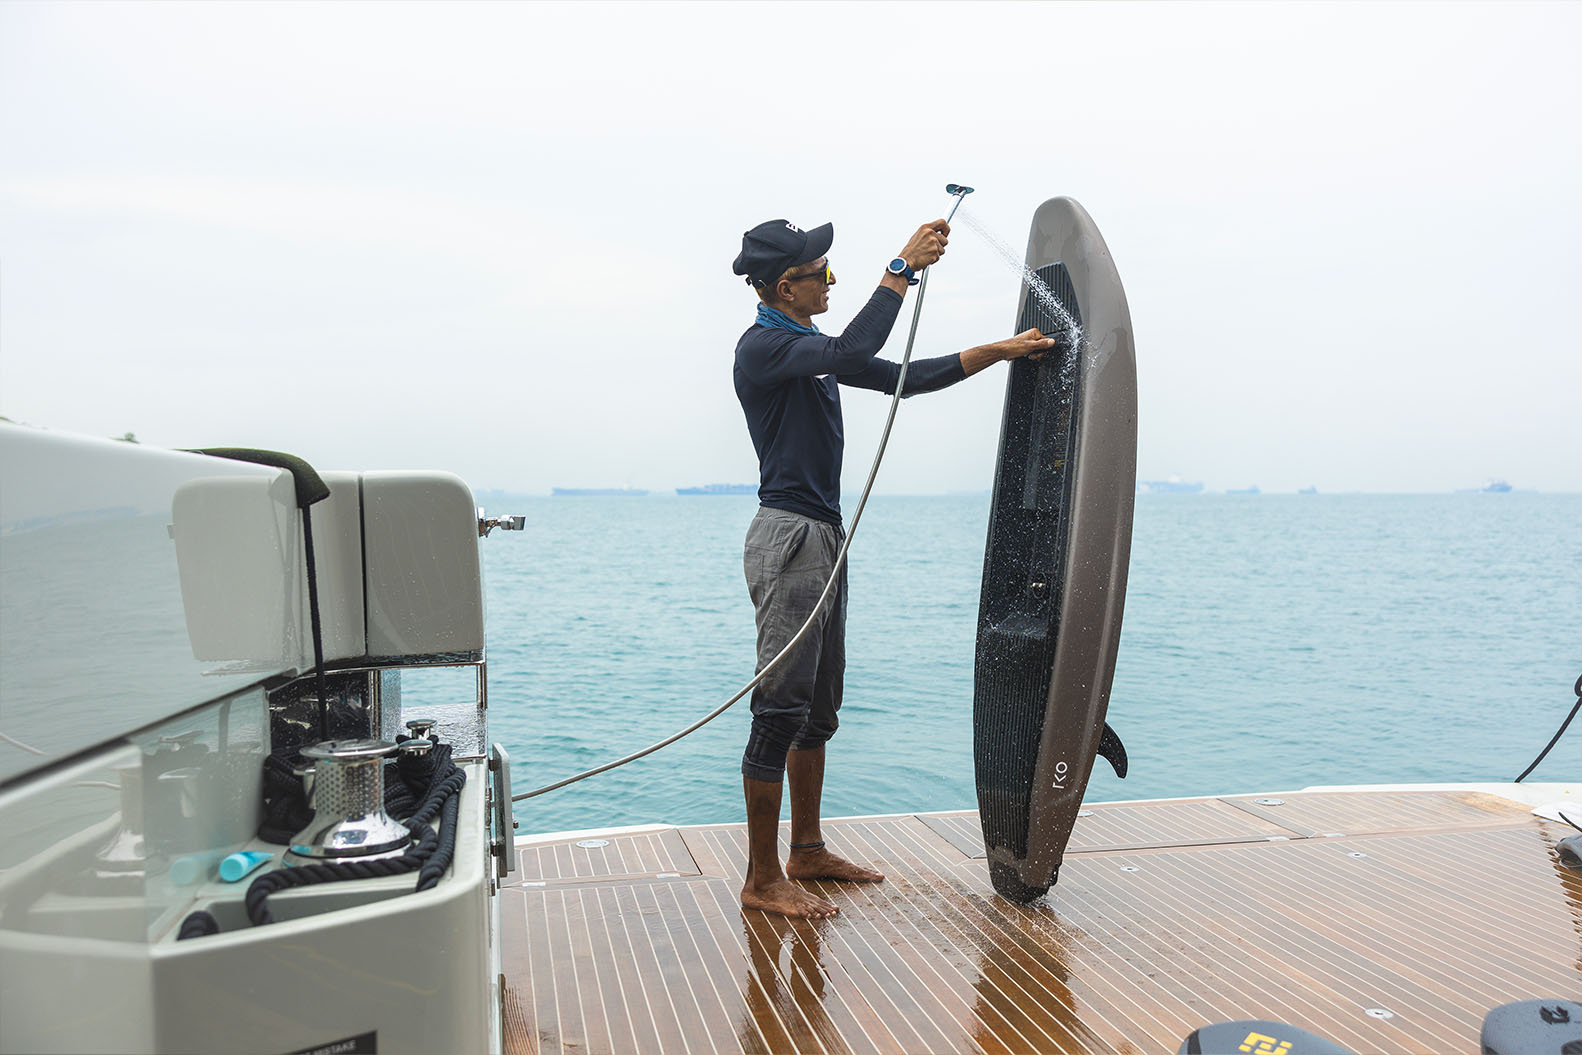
899	267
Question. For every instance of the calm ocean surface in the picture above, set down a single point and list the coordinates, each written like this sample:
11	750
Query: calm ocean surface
1271	642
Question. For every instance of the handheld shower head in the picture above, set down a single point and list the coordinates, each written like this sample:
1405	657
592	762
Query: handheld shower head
958	192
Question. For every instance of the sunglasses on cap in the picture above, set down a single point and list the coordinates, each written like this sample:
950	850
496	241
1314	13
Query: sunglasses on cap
825	273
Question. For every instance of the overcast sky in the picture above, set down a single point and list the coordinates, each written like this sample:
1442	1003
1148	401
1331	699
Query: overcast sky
497	239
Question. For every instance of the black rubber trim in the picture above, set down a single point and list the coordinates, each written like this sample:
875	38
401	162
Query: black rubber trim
311	487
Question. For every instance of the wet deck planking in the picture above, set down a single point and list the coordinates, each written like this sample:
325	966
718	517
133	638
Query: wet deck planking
1386	921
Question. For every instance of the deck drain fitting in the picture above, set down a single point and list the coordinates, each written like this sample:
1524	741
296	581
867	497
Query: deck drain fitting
593	844
1379	1012
1277	839
1331	835
1270	802
1084	813
1355	853
1130	868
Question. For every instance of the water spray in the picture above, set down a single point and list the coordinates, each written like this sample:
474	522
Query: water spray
958	192
1036	286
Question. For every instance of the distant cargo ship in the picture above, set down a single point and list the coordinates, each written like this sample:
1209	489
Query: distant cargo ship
1308	490
719	489
597	492
1496	487
1173	486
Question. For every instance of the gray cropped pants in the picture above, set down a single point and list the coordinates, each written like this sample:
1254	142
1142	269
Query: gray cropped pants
787	560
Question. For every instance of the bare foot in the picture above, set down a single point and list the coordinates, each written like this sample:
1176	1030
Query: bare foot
821	864
785	898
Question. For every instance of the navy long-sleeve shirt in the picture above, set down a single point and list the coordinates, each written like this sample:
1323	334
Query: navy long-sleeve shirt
788	384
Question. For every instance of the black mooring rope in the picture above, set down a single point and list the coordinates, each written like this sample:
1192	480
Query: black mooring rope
436	866
430	855
309	875
1577	688
286	809
198	925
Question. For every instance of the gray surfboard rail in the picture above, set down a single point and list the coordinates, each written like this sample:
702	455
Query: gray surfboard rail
1054	568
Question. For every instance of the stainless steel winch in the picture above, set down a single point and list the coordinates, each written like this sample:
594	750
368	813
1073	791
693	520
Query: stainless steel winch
346	788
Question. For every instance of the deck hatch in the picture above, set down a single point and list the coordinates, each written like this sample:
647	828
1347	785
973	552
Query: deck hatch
631	855
1108	828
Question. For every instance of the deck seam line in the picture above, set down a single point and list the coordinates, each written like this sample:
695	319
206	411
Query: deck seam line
609	943
715	837
855	830
753	975
980	920
718	956
1348	976
906	887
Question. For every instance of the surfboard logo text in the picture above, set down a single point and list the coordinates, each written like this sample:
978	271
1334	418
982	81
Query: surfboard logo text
1258	1044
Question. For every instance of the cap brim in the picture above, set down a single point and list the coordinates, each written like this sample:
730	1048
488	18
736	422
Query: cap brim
819	239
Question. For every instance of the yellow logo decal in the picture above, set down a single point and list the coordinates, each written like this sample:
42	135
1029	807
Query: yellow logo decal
1258	1044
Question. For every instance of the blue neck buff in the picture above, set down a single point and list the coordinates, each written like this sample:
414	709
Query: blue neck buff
778	320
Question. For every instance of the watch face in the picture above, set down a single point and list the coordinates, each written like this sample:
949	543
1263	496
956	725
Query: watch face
898	266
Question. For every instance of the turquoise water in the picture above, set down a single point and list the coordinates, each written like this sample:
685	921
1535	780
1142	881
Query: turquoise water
1271	642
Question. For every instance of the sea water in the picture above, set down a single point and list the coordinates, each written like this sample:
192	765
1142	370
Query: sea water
1271	642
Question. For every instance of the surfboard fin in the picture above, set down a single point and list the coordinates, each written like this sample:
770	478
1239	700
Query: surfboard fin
1110	747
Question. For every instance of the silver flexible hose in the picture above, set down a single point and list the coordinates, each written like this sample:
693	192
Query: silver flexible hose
829	586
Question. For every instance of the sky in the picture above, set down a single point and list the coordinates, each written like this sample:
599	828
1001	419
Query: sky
496	238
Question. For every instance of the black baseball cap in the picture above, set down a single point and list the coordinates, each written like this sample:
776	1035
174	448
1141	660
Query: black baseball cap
775	246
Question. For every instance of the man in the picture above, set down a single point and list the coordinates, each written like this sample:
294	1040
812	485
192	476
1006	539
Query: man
787	378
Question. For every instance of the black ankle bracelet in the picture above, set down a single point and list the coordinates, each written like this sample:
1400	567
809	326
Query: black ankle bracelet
808	846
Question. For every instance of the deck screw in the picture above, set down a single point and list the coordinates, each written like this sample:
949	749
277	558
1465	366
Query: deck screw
1356	853
1379	1012
1130	868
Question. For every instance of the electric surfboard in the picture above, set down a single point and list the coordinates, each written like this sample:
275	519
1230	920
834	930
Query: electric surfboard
1054	568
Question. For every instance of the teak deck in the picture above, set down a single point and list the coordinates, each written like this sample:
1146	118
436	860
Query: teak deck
1389	922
